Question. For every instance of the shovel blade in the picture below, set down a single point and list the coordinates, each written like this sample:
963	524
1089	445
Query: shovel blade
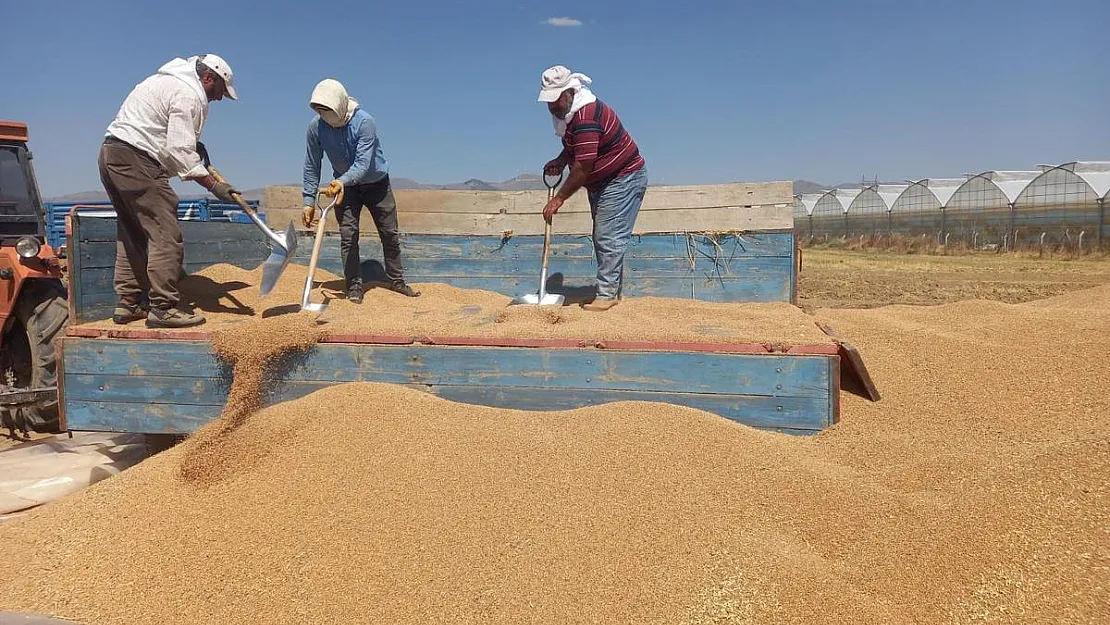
278	260
534	299
314	307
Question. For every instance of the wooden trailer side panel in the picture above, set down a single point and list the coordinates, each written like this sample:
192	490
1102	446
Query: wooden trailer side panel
752	267
176	386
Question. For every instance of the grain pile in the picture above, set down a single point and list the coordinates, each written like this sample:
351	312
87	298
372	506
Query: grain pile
975	492
256	350
228	296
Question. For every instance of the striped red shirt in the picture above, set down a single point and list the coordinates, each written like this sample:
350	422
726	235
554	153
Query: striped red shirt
595	133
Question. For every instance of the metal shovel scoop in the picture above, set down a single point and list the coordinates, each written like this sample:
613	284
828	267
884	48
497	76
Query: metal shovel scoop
282	246
305	303
543	298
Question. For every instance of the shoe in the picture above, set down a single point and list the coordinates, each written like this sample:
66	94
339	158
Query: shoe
354	294
126	312
173	318
400	287
600	305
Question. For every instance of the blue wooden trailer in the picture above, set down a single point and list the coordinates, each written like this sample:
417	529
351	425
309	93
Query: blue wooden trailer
140	380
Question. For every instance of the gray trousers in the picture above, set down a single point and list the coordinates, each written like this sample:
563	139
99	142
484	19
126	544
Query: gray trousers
377	197
149	246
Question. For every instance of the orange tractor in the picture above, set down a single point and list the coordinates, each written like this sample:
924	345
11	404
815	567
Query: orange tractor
33	307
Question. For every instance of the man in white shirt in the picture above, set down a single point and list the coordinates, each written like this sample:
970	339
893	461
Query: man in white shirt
153	137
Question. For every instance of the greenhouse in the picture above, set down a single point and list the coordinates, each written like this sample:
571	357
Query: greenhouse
1054	206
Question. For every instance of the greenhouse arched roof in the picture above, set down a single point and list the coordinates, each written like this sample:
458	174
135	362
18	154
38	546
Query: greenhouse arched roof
942	188
1095	173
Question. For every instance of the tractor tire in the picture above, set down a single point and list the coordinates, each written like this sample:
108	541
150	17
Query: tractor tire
43	312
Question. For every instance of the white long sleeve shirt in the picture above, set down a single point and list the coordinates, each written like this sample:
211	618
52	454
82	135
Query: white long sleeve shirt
164	116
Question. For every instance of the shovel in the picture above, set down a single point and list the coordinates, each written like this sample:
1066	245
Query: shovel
282	247
305	304
543	298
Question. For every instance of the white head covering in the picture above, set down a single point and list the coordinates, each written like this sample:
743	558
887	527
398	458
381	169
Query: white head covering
554	82
332	94
557	79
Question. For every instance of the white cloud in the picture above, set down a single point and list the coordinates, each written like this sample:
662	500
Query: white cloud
563	21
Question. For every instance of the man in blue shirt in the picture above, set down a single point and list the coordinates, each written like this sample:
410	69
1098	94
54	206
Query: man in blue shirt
348	135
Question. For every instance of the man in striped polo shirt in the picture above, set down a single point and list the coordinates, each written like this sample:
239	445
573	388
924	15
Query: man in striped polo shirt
605	160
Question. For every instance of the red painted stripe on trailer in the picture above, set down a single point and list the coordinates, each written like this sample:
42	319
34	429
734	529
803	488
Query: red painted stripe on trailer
682	346
825	350
474	341
147	334
374	339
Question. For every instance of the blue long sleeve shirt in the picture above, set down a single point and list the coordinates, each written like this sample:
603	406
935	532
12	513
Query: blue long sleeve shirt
355	153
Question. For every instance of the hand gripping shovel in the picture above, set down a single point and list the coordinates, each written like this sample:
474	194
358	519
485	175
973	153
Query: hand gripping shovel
282	246
543	298
305	304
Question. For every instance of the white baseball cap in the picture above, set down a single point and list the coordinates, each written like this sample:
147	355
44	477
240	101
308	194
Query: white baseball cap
222	69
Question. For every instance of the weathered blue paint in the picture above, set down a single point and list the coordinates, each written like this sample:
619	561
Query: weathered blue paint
756	267
187	210
113	362
156	386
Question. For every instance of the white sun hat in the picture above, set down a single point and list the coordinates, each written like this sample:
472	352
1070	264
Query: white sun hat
557	79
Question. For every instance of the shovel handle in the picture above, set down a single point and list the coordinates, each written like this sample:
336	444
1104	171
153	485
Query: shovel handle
235	196
546	250
551	187
316	245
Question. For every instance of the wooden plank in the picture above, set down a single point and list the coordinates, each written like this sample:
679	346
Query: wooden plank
477	341
660	221
854	376
768	268
183	359
134	417
756	282
146	370
530	247
701	288
798	413
60	372
244	253
789	414
531	201
753	219
151	389
93	229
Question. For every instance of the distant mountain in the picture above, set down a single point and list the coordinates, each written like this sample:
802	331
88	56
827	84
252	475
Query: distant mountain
523	182
805	186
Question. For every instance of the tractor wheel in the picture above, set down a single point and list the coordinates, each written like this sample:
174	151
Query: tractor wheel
43	313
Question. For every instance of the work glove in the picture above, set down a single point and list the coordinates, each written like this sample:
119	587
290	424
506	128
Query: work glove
308	217
223	191
334	189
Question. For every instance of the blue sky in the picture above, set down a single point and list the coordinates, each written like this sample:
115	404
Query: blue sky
712	91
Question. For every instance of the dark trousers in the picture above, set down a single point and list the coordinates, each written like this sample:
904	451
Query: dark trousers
378	198
149	247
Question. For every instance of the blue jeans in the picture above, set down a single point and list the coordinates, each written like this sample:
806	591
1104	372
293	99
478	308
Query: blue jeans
614	209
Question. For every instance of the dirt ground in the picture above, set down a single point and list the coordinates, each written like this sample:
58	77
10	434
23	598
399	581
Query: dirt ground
866	279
